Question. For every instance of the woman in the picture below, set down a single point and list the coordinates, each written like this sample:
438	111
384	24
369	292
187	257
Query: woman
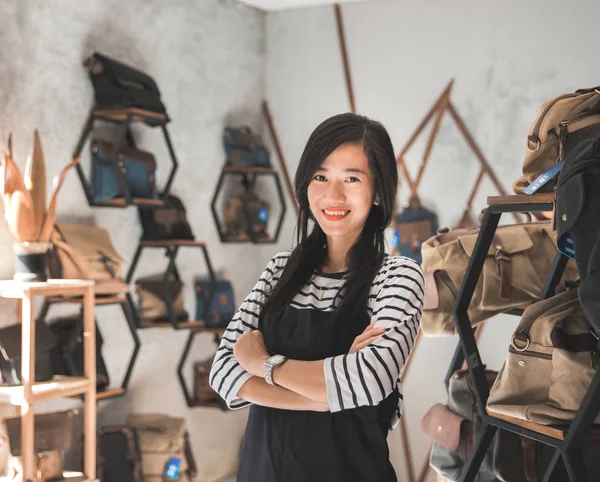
339	315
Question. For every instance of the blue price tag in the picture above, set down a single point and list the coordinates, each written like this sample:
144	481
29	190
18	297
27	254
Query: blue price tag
263	214
566	245
172	468
543	178
395	239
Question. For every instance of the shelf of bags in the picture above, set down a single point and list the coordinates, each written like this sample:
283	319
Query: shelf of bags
135	114
58	387
110	393
248	170
520	199
120	202
52	287
555	431
167	243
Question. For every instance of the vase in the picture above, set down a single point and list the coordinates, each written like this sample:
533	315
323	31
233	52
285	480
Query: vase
31	261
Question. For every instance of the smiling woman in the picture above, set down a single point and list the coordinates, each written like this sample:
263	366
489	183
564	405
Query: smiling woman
318	345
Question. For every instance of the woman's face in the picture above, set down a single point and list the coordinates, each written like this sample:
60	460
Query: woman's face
340	194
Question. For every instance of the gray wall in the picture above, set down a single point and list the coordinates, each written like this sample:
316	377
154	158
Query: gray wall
208	60
506	57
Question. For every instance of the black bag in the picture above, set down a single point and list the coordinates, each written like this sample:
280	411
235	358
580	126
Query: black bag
414	225
151	299
67	355
577	226
119	457
117	85
10	353
168	222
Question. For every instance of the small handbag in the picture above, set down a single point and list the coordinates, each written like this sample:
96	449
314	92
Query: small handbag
234	218
561	124
244	148
214	302
168	222
10	353
152	307
118	454
551	361
414	225
137	166
513	276
117	86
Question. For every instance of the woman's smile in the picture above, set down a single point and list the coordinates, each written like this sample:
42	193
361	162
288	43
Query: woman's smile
335	214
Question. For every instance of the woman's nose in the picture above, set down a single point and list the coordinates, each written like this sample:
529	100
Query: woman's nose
336	192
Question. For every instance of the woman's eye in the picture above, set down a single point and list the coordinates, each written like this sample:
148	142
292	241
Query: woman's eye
319	177
353	179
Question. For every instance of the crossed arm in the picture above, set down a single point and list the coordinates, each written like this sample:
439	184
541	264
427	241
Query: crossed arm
301	384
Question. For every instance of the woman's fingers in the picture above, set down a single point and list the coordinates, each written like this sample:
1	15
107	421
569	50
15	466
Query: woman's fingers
360	344
368	334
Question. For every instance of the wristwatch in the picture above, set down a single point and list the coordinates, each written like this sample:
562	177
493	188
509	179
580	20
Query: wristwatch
270	364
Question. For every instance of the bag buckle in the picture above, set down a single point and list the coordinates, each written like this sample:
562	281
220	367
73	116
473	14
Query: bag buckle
512	342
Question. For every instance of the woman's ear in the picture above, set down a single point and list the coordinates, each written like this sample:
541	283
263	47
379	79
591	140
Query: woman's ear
376	202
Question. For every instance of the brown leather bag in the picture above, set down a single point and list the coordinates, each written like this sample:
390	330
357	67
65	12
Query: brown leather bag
202	389
513	275
560	125
85	252
52	437
151	299
551	360
236	226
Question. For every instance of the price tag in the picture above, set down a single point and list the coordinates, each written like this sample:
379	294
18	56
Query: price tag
172	468
543	178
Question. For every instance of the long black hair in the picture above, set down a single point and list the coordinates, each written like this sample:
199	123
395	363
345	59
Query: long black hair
366	255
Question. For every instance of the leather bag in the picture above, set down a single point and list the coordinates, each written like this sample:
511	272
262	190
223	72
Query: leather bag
52	438
162	437
202	390
118	86
138	168
85	252
236	224
550	364
576	217
118	453
215	304
414	225
10	353
151	299
244	148
168	222
513	276
67	355
560	125
453	427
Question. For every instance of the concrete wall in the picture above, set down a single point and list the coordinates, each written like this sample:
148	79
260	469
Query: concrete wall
506	59
208	60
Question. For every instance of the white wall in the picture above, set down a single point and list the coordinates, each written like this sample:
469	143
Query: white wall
506	57
208	60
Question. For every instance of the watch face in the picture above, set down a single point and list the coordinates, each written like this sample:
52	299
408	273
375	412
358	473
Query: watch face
276	359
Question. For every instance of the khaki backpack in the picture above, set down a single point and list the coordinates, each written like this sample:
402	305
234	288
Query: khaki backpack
560	125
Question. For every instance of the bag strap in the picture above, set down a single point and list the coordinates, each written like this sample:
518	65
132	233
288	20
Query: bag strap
189	455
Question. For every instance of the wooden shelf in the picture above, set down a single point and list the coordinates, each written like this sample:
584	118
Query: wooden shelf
198	326
554	431
135	201
248	170
110	393
103	300
52	287
544	198
43	391
246	239
136	114
197	403
167	243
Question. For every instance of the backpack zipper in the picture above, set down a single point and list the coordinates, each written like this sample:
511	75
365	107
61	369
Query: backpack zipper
530	353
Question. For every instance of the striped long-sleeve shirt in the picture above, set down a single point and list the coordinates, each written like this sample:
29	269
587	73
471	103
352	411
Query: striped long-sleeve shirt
363	378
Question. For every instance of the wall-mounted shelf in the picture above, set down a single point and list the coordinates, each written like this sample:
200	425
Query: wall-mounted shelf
124	118
171	247
248	180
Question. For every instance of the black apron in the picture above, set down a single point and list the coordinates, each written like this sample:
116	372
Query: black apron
305	446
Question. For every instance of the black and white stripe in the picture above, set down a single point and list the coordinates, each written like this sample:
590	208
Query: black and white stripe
352	380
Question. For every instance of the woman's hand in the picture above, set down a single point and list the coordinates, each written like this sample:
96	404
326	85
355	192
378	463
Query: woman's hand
366	337
250	352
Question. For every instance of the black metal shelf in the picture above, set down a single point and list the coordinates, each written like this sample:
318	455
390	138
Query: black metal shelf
248	180
171	248
123	300
124	118
189	398
567	447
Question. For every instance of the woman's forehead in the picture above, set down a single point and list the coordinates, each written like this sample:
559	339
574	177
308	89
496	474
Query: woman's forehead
347	157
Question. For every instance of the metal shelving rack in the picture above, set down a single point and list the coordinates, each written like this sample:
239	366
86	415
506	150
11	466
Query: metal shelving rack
566	440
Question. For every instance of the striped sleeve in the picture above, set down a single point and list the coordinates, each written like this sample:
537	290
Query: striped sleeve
226	375
370	375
